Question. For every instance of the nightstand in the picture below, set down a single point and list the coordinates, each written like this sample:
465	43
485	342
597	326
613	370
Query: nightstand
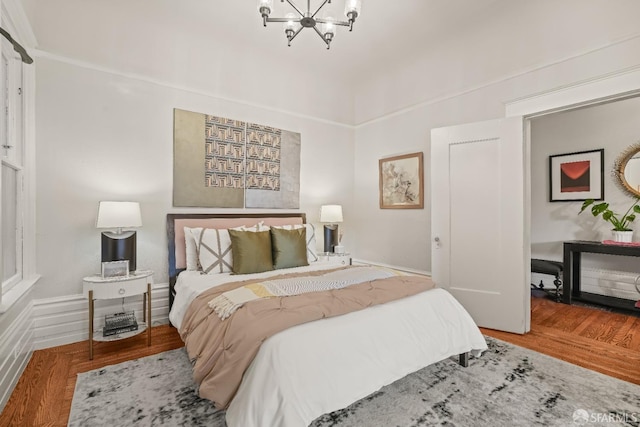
333	258
136	283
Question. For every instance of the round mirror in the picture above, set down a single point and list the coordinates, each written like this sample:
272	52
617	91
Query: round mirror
627	170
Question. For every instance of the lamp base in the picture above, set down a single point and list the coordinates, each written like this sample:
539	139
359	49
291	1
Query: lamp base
330	237
119	247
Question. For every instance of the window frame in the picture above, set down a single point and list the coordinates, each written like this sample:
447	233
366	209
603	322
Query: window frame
11	155
21	132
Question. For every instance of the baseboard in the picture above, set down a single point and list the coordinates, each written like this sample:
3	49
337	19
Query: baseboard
16	346
65	320
618	284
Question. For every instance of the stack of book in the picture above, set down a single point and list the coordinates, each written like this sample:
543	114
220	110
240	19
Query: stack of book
119	323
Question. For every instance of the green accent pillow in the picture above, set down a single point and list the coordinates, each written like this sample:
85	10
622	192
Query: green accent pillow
289	247
251	251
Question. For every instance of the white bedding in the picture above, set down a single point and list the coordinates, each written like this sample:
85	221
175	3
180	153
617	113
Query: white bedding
318	367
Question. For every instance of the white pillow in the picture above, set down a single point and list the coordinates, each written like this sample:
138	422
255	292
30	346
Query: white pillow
213	248
312	254
191	250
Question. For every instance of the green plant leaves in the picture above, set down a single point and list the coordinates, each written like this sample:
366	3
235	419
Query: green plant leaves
619	224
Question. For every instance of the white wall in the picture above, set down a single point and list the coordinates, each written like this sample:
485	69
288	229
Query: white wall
200	47
612	126
507	40
105	136
108	135
470	79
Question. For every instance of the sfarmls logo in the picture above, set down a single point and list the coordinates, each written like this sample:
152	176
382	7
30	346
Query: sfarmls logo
583	417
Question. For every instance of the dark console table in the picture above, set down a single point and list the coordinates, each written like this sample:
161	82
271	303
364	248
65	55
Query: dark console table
572	256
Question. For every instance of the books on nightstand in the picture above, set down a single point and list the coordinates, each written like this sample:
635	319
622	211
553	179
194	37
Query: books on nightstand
119	323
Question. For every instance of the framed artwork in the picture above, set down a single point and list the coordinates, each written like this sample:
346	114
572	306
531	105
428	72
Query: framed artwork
227	163
402	182
575	177
115	269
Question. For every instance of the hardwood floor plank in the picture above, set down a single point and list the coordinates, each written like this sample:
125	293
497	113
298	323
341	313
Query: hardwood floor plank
623	331
633	335
605	342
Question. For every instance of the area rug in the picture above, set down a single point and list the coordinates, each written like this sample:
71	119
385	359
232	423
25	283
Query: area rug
506	386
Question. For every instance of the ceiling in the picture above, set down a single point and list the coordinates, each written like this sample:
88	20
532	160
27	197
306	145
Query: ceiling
386	32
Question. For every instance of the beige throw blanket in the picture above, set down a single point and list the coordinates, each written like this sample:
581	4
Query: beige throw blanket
226	304
221	350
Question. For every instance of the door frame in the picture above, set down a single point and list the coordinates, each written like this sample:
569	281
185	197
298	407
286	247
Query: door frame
598	90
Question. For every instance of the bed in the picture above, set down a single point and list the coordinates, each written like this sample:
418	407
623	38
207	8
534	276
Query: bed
319	366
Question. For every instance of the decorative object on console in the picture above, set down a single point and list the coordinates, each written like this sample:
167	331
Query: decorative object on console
621	230
626	170
576	176
119	245
331	215
296	22
227	163
402	182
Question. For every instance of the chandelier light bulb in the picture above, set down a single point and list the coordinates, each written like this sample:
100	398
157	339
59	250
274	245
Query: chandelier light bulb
265	3
352	8
329	27
265	7
291	23
328	30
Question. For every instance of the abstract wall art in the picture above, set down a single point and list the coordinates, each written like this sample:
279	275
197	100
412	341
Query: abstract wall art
576	176
401	182
226	163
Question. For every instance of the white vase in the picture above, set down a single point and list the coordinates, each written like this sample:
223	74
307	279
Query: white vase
622	236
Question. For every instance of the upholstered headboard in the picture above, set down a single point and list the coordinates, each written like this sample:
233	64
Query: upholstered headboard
177	222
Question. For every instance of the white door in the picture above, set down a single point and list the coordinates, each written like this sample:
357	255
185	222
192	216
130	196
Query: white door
480	220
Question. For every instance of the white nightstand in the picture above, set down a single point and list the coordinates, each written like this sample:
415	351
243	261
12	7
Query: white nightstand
333	258
136	283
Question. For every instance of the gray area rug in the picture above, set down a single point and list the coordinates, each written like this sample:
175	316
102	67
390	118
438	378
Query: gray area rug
506	386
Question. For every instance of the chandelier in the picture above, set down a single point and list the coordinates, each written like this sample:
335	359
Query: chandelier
295	22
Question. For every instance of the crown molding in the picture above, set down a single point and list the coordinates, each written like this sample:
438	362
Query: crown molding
39	53
512	76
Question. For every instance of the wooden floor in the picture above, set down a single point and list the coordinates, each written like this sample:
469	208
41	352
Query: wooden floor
598	340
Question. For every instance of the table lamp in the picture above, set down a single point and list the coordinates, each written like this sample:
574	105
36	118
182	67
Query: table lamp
119	245
331	215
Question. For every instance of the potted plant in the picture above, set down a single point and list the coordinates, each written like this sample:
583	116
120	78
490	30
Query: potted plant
621	230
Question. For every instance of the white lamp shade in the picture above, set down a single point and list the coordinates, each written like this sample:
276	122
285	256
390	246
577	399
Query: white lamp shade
331	214
119	215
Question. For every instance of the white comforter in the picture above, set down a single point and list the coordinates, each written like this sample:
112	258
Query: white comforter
318	367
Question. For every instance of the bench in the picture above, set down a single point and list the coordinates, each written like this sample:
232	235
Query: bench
552	268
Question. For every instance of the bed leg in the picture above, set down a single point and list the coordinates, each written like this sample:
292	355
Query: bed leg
463	359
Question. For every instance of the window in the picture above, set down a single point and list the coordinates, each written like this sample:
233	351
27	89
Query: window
17	172
11	145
